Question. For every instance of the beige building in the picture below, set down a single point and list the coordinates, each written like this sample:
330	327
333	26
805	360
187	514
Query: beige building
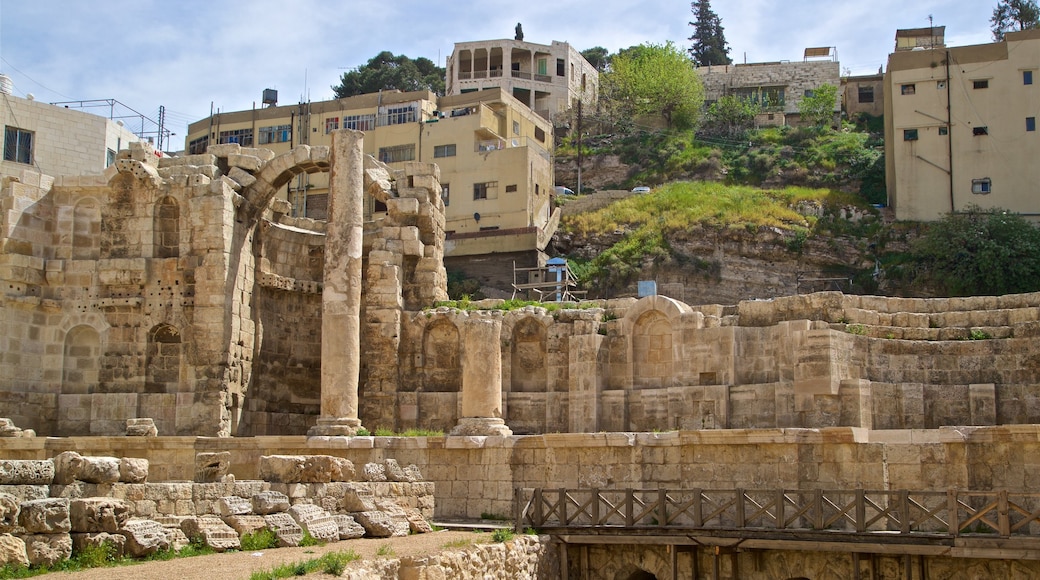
547	78
778	86
960	128
864	94
57	140
493	153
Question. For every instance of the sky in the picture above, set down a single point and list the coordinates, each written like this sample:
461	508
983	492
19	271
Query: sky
191	56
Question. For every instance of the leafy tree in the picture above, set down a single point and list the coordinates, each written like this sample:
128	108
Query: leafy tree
980	252
709	42
655	80
1012	15
597	56
818	108
389	71
731	116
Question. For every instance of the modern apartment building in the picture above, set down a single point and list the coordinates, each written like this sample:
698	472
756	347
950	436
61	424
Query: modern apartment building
778	86
960	127
493	153
54	140
550	79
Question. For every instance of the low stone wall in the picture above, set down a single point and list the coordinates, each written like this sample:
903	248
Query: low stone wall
530	557
476	475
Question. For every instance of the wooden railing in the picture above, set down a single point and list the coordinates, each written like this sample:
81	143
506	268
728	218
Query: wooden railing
935	514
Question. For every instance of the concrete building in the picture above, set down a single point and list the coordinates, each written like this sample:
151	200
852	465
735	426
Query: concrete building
550	79
863	94
493	153
960	128
778	86
57	140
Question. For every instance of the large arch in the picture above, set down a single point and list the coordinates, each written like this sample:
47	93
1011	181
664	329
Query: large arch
277	172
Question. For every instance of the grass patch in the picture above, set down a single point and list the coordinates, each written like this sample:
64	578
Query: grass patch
264	539
333	563
387	432
309	540
102	556
460	543
502	535
386	550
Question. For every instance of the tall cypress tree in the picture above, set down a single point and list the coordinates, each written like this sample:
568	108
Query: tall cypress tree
709	43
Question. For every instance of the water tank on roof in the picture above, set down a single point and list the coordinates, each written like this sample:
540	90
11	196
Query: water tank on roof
6	85
271	97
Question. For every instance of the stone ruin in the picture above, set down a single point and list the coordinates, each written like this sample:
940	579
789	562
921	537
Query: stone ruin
51	508
180	291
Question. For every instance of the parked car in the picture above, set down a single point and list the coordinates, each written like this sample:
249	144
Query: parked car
641	189
561	190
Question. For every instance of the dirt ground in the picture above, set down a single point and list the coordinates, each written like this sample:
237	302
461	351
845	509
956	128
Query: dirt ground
239	565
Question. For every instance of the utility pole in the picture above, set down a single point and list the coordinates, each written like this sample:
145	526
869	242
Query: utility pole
579	147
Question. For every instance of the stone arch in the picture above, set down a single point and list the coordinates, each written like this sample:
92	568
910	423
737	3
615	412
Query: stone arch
166	228
164	359
652	360
86	230
81	361
528	366
442	370
278	171
634	573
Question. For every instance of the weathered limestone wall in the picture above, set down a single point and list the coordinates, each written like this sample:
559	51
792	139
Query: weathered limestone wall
793	77
475	475
530	557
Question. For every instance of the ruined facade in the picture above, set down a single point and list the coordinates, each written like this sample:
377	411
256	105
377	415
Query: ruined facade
151	289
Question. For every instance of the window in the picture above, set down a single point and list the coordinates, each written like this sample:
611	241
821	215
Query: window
561	69
445	193
516	127
198	146
808	93
543	67
866	94
398	115
1030	123
110	158
981	186
331	124
444	150
359	122
539	134
243	137
1027	77
482	190
397	153
511	188
980	131
275	134
910	89
909	134
18	145
980	84
944	131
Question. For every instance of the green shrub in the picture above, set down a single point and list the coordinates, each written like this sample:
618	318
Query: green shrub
309	540
264	539
502	535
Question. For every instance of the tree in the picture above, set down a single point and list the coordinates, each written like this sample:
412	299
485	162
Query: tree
655	80
1012	15
731	116
597	56
709	42
980	252
817	109
389	71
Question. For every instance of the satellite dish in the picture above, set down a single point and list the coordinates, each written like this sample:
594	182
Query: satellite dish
476	216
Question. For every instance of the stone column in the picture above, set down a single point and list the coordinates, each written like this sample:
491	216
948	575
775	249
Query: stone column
341	296
481	377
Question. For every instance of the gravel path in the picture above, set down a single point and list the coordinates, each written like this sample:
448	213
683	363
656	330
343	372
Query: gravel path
239	565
